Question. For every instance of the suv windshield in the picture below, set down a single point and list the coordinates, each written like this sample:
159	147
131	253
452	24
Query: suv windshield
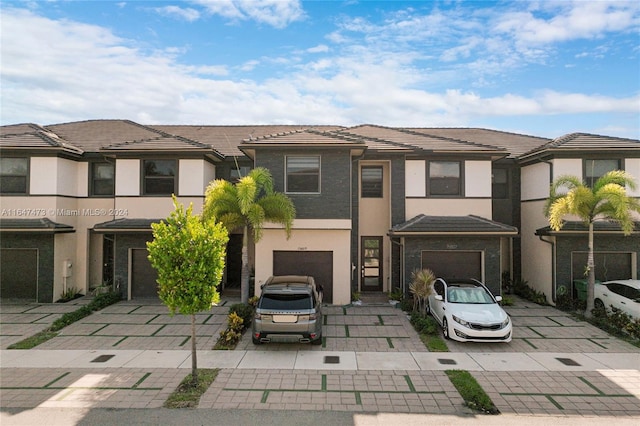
291	302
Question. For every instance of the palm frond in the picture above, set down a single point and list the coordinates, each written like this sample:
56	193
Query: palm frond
255	216
263	179
619	177
219	199
247	190
279	208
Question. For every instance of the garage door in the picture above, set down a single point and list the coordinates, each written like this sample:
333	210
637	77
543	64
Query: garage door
608	265
143	276
453	264
19	274
318	264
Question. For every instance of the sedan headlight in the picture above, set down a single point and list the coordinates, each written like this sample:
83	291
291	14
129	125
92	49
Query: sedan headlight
460	321
505	323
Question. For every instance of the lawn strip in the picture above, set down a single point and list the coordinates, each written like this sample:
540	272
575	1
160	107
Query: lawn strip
186	394
56	379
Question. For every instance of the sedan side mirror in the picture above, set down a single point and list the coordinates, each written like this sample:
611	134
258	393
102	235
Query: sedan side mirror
498	298
438	297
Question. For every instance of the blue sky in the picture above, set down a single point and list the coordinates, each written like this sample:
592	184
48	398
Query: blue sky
542	68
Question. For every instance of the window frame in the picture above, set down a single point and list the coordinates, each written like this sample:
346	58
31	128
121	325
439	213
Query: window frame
590	180
144	177
380	183
92	179
507	184
286	174
25	176
460	193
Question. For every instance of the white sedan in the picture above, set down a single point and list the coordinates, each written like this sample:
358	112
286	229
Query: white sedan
468	312
621	294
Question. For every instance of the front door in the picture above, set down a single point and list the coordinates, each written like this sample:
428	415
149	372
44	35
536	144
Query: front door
371	264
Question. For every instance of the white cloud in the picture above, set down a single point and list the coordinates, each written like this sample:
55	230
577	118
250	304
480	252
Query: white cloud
276	13
59	70
187	14
321	48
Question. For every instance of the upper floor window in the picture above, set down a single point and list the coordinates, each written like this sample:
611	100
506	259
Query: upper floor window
238	173
371	181
13	175
595	169
445	178
102	179
500	183
159	177
303	174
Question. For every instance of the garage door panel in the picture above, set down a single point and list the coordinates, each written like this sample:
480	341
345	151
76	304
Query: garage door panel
19	273
318	264
453	264
143	276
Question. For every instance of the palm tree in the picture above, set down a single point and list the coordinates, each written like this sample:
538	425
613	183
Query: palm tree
421	287
607	200
247	205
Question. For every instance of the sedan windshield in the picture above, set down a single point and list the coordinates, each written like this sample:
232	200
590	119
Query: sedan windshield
473	295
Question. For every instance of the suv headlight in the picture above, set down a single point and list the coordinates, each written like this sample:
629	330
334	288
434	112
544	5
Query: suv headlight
460	321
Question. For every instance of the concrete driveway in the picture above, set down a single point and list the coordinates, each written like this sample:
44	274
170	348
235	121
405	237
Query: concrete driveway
133	354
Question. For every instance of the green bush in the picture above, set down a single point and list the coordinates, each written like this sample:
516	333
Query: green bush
70	318
522	289
406	304
244	311
618	323
103	300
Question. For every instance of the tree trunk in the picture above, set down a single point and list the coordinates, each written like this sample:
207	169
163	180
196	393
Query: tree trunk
194	360
244	274
591	278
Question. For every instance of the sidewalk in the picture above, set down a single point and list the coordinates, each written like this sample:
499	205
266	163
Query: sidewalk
133	355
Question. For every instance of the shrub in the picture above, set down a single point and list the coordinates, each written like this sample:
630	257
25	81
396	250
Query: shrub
406	305
244	311
230	337
103	300
522	289
70	318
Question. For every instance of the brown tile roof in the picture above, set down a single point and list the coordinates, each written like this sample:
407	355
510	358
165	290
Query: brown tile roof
409	138
579	228
32	136
225	139
304	137
516	144
93	135
160	143
452	225
586	142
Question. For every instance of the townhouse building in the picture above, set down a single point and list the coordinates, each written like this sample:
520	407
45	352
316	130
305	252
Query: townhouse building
373	204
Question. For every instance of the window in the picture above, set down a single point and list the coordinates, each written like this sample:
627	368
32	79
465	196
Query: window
13	175
159	177
239	172
371	181
303	174
500	183
444	178
102	179
595	169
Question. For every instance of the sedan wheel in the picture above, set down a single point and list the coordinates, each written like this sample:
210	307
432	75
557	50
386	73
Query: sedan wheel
445	328
598	304
427	307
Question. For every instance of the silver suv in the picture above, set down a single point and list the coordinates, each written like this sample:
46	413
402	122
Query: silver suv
289	309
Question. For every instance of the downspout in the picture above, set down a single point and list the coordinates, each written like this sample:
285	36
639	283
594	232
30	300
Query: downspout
553	267
400	244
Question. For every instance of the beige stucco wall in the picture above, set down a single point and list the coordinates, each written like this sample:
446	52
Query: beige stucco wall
415	178
309	238
632	166
535	182
375	221
567	167
536	254
127	177
152	207
477	179
194	176
447	207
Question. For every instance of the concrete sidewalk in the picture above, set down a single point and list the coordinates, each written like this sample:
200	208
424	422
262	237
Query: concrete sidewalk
133	355
329	360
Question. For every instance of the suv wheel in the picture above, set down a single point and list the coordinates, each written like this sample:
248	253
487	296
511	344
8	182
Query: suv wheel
318	341
256	341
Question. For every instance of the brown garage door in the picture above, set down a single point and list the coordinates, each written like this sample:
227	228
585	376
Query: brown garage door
453	264
143	276
318	264
19	274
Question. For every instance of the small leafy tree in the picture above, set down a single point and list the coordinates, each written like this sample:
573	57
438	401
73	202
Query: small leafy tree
607	200
188	254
